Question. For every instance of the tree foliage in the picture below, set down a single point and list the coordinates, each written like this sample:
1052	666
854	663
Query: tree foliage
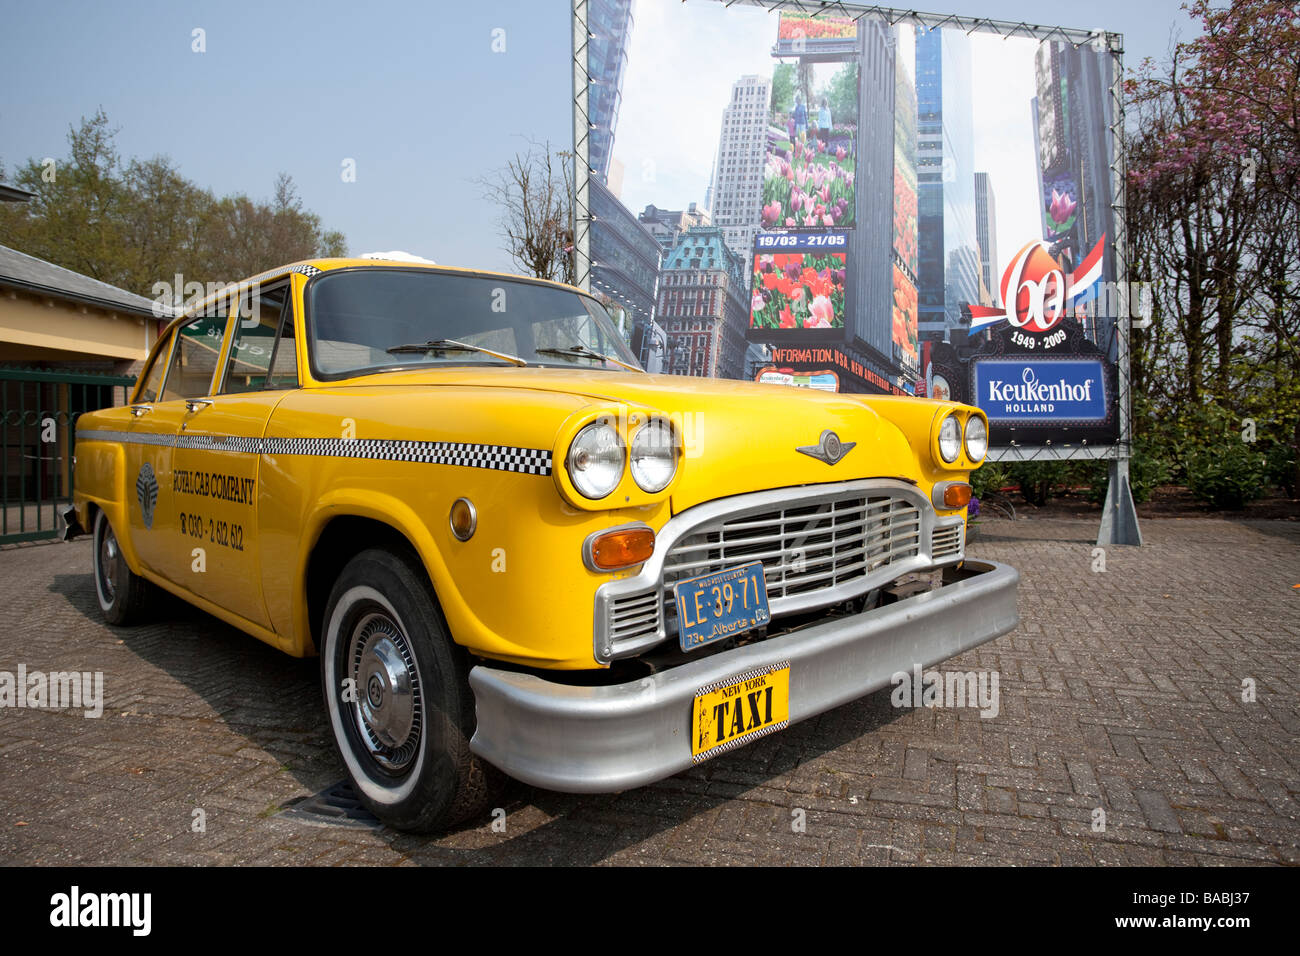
1214	225
842	94
136	223
532	194
783	78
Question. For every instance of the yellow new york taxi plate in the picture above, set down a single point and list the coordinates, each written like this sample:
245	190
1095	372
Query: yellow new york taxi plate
734	711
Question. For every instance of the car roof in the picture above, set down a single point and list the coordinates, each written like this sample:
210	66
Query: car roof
312	267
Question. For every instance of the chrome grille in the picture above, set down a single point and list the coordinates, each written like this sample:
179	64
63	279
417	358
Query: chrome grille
804	548
634	616
819	545
946	542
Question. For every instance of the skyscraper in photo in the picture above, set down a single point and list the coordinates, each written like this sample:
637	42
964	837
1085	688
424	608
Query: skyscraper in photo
986	233
1072	118
738	174
704	306
949	265
610	24
872	271
624	254
624	259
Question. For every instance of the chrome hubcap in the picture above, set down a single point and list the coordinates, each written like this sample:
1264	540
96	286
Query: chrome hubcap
109	556
386	702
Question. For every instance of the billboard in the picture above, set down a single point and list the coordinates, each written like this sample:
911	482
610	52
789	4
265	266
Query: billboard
905	341
824	380
1039	375
799	283
838	155
808	176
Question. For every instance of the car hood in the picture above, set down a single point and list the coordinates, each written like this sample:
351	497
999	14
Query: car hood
738	437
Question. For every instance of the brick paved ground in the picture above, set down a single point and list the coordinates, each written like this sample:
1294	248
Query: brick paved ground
1119	690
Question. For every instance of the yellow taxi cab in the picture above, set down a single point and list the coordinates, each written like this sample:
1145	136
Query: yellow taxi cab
514	550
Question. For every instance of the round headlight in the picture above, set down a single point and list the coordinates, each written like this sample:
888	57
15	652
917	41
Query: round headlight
977	438
596	460
654	456
950	439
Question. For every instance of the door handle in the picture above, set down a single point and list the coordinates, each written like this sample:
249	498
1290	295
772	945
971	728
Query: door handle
142	409
197	404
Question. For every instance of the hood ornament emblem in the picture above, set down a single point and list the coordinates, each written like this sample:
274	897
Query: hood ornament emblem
830	450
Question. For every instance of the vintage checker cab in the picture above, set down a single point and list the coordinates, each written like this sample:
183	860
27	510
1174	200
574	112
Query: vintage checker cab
514	550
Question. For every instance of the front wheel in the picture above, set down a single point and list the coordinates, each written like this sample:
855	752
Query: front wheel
122	593
398	697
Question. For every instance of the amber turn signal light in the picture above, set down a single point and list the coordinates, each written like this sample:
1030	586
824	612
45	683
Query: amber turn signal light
956	495
463	519
619	548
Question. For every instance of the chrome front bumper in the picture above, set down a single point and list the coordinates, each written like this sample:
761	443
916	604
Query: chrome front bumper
603	739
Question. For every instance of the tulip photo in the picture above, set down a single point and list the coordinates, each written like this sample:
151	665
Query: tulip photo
798	291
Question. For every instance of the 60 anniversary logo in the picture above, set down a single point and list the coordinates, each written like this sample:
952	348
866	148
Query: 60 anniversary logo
1036	291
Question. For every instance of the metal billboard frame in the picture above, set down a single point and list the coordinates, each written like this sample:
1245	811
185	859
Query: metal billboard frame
1119	523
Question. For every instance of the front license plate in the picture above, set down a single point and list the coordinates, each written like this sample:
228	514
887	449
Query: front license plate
740	709
720	605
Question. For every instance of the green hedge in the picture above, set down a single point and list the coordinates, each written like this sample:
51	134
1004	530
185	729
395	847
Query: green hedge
1208	450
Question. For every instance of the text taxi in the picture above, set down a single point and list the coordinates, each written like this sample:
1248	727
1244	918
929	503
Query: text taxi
512	548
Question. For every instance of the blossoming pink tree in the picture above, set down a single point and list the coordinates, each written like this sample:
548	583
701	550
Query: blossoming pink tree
1213	158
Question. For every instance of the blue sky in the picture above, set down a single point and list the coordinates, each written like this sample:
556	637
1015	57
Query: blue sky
413	92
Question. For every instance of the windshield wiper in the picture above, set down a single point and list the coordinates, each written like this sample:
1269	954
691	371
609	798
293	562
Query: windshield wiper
581	351
451	345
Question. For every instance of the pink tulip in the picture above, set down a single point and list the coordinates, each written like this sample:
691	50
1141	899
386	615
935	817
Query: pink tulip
820	314
1062	207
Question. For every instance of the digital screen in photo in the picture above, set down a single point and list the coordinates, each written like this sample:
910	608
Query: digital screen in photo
905	322
808	177
799	282
801	29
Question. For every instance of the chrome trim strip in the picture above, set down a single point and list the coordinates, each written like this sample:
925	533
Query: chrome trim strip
532	461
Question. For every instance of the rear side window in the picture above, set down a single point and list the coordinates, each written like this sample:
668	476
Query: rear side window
194	359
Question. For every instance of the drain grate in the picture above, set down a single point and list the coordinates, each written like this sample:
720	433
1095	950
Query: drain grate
336	805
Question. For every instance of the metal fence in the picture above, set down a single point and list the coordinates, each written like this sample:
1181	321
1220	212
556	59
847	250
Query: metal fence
38	415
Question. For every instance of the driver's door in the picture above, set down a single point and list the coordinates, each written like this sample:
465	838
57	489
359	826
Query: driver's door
218	458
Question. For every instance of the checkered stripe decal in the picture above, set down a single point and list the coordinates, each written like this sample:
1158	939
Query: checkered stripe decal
303	269
529	461
532	461
742	677
247	446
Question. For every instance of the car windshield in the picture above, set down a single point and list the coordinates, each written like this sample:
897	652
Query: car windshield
363	320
